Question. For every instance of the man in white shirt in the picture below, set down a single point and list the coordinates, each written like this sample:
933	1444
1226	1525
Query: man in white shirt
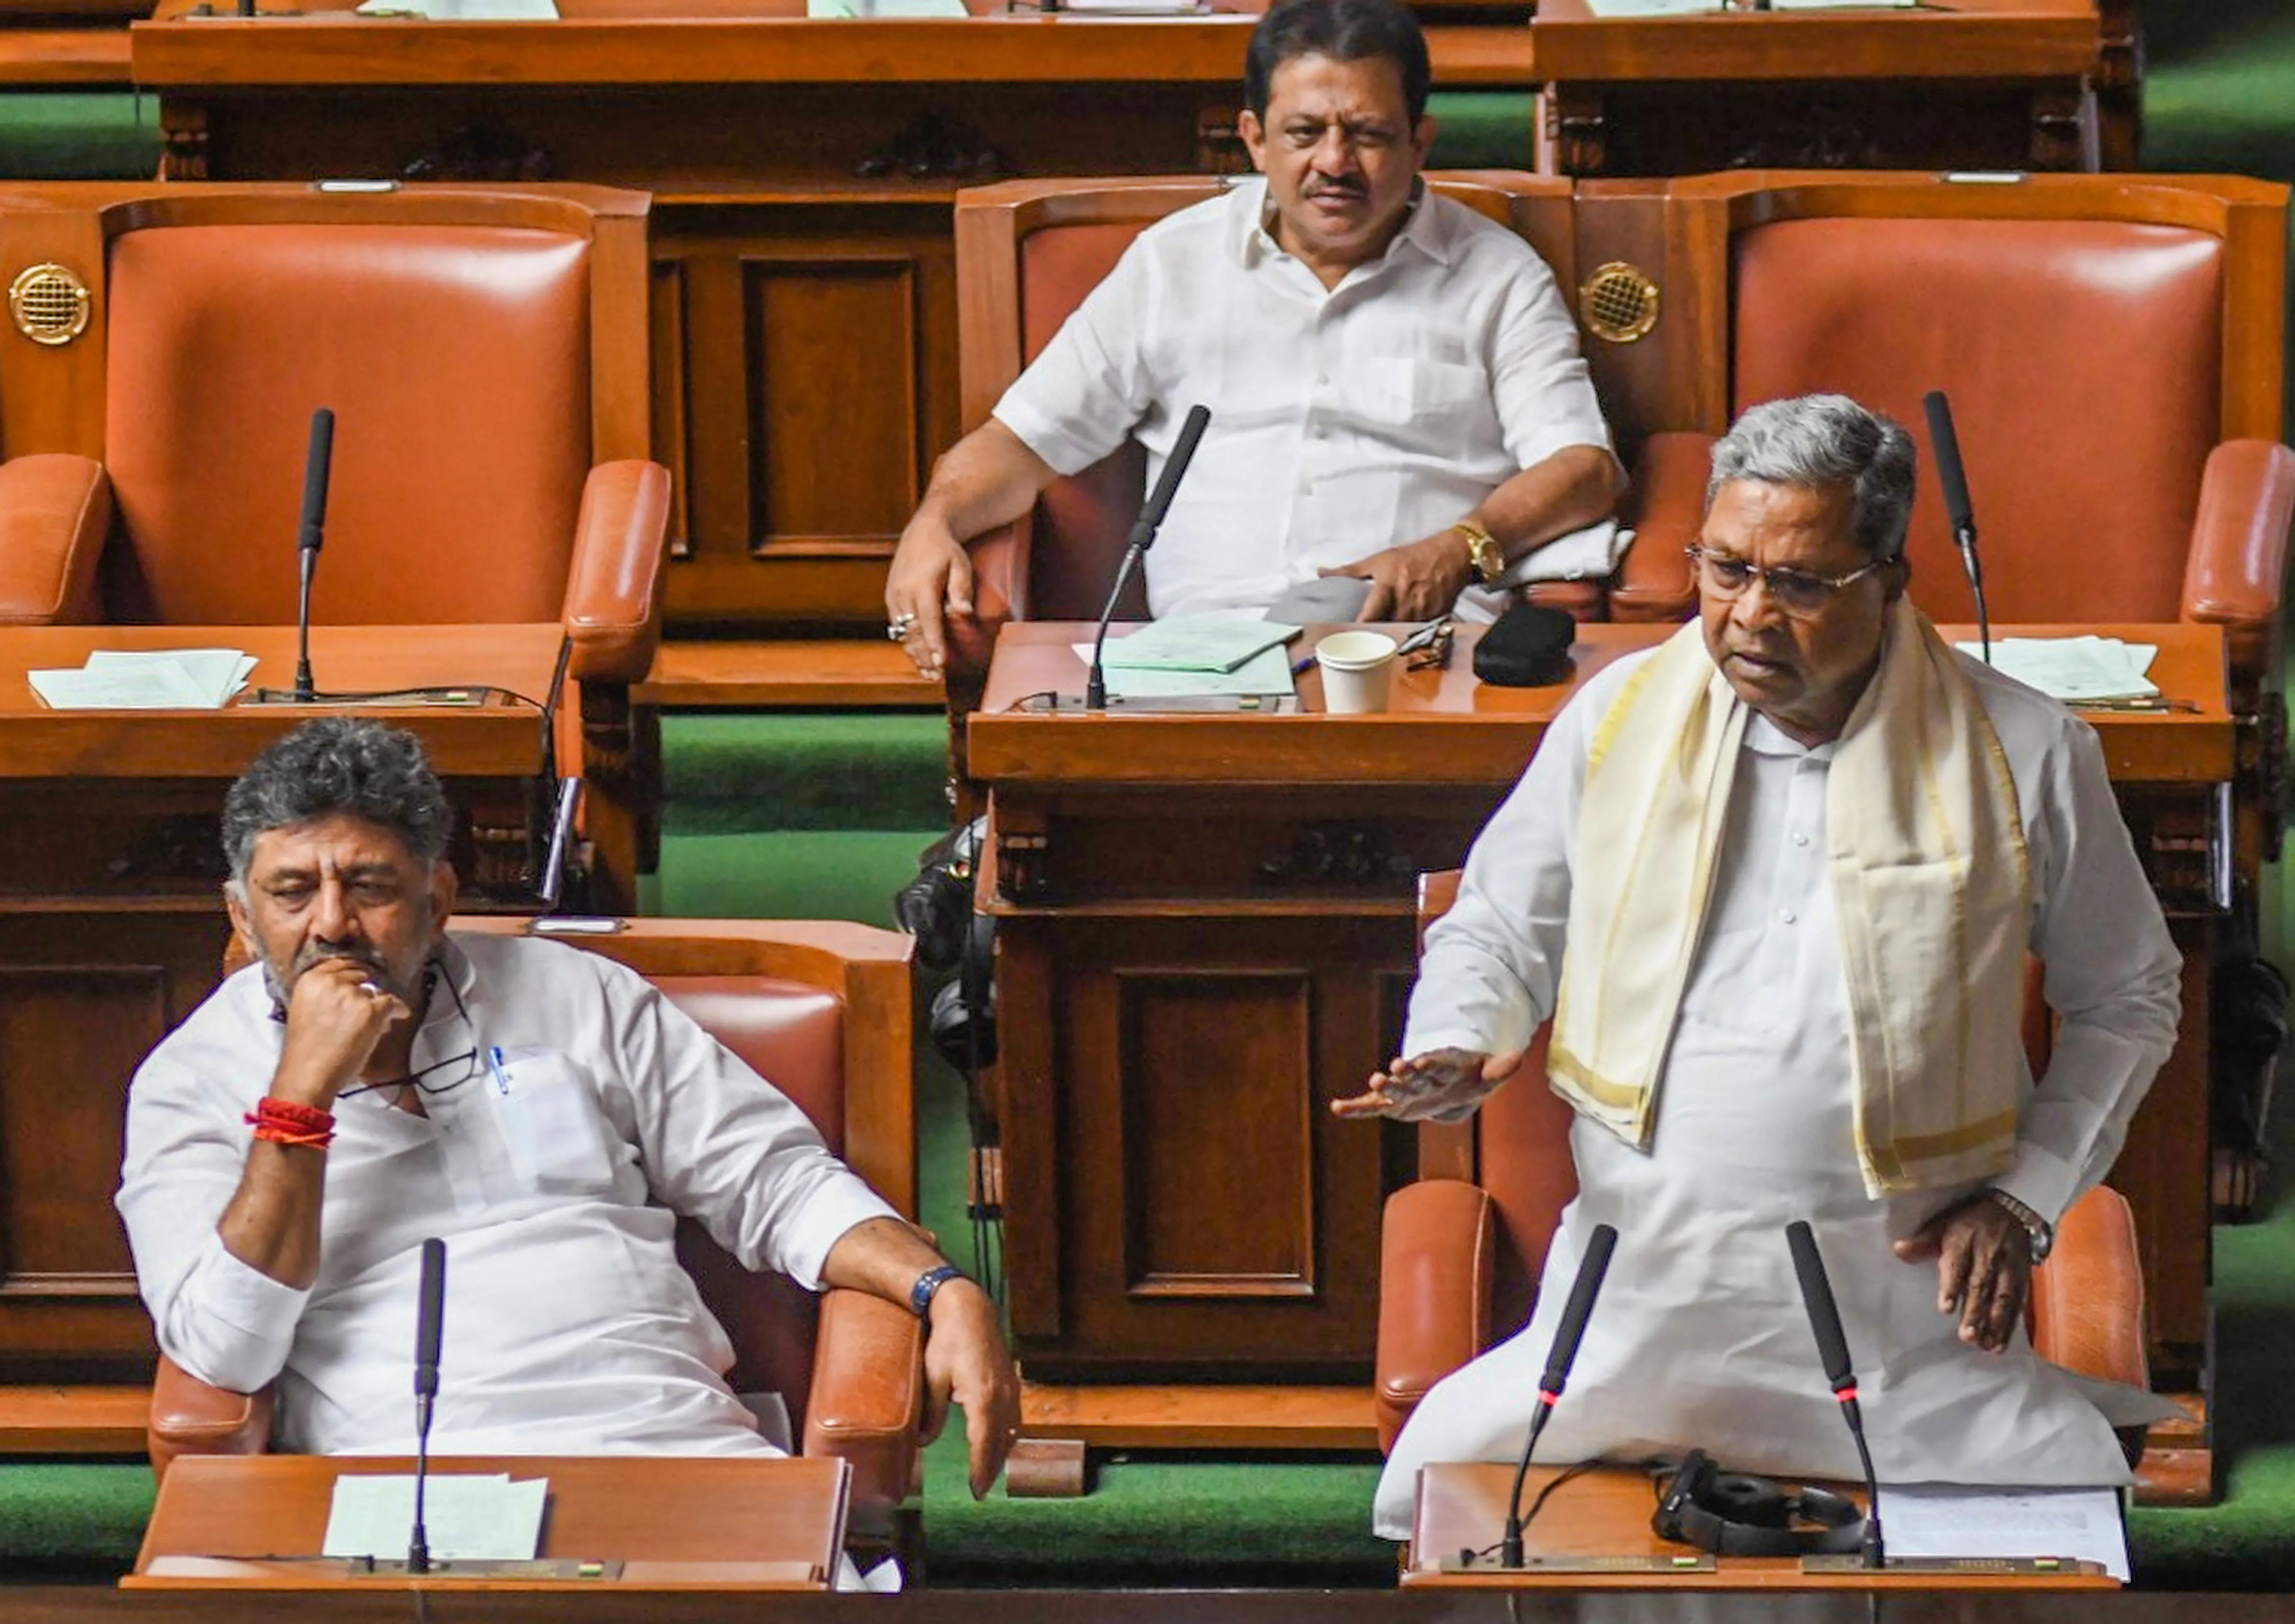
543	1110
1394	382
1774	882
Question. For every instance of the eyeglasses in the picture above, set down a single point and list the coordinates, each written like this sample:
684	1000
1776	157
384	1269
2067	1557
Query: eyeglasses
1796	592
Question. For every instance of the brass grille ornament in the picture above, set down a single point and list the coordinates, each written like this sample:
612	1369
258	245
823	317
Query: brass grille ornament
1618	302
49	304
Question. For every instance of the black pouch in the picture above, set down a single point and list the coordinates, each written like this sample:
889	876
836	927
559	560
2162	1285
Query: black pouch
1528	647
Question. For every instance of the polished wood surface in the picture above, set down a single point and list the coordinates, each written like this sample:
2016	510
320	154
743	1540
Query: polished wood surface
1206	932
784	675
1606	1513
1981	84
89	58
680	1524
112	928
801	239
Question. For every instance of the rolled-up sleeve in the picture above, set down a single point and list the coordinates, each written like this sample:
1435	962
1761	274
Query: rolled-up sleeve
2113	979
722	1146
223	1321
1543	392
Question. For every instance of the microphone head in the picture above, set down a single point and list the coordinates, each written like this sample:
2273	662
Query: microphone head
317	463
1592	1269
1817	1297
1167	483
1950	474
431	1317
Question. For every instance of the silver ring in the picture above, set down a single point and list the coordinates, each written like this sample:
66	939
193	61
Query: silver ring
370	989
896	630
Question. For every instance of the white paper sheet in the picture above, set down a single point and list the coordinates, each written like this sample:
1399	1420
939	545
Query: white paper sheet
1944	1519
217	673
1268	672
2073	668
885	8
466	1516
1651	8
1218	642
464	10
175	680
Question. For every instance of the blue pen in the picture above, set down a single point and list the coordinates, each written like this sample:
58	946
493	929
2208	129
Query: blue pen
493	1064
1301	666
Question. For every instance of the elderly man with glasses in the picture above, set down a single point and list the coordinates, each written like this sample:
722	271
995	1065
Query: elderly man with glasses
1774	882
372	1079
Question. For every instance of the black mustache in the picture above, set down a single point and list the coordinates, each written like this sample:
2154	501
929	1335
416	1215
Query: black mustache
318	952
1347	189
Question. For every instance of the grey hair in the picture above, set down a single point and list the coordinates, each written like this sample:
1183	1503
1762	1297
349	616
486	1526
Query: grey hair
1827	439
337	764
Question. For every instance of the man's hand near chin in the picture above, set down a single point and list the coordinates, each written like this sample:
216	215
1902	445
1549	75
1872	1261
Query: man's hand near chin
1416	581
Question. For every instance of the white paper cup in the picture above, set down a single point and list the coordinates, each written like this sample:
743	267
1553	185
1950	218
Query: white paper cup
1357	671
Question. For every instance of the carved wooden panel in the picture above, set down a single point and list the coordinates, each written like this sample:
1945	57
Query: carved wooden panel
1187	1037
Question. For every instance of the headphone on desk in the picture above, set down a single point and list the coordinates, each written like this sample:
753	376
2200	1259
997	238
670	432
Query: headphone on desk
1731	1514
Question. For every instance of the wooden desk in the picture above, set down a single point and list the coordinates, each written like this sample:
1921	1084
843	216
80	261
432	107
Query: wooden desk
803	174
112	928
1981	85
243	1522
65	45
1206	932
1606	1513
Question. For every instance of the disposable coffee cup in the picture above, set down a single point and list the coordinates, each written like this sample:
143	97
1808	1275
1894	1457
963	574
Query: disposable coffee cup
1357	671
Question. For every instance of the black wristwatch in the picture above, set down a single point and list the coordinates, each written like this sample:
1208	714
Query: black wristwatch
928	1285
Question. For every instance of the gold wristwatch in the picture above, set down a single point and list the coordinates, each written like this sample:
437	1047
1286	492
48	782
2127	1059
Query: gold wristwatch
1483	551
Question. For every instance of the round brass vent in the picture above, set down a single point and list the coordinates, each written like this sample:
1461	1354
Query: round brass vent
1618	302
50	305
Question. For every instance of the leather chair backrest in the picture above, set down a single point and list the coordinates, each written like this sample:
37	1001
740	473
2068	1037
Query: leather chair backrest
456	360
792	1035
2084	361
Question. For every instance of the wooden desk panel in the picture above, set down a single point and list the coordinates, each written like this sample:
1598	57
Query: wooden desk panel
1206	931
112	928
679	1523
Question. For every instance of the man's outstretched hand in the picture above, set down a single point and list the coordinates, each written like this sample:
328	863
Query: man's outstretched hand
1984	1268
966	1361
1445	1085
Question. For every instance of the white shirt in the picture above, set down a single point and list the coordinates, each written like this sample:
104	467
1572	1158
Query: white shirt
570	1326
1700	1337
1344	420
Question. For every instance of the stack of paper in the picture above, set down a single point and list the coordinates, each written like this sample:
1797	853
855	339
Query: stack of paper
2074	669
165	680
467	1516
1216	643
464	10
1939	1520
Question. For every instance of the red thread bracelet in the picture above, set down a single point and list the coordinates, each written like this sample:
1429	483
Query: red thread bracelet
283	1121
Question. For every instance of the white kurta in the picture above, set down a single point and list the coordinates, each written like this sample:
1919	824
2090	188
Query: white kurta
569	1327
1344	420
1700	1338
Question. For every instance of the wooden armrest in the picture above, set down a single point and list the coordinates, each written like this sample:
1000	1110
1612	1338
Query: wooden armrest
2239	550
867	1400
1436	1259
54	509
613	588
189	1417
1665	505
2087	1299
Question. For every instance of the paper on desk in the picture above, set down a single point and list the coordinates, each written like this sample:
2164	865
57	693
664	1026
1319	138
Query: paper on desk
1268	672
2073	668
469	1515
885	8
1218	642
1651	8
170	679
1843	6
1947	1520
463	11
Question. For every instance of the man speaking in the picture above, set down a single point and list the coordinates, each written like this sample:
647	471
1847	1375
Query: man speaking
1774	882
1394	382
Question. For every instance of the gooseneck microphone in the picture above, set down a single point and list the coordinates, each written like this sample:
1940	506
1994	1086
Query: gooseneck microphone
1833	1348
1958	509
1591	1268
1142	537
317	463
429	1323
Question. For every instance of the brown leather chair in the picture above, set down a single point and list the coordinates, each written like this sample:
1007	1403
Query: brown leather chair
823	1009
484	352
1027	252
1463	1247
2111	345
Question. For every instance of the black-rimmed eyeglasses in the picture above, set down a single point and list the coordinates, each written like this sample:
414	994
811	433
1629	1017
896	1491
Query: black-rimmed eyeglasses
1797	591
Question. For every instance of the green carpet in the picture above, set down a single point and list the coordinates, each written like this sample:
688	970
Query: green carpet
111	136
726	773
74	1520
1480	129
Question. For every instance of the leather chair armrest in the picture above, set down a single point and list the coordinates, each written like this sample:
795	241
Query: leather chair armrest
613	589
1437	1257
1665	505
54	509
1000	594
2239	550
868	1398
2087	1299
189	1417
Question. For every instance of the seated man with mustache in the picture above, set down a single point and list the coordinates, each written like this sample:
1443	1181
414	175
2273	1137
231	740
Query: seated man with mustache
373	1078
1394	382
